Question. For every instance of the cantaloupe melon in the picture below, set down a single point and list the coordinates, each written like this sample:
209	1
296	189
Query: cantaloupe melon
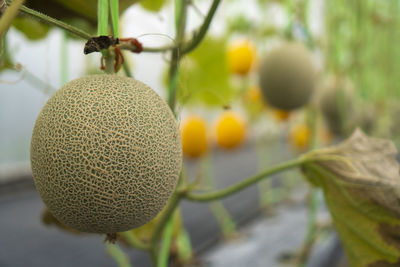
105	154
287	76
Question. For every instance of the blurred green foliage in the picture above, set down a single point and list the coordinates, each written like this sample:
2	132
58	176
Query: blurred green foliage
362	41
153	5
204	75
32	29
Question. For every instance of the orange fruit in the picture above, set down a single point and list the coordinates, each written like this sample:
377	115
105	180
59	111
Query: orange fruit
230	130
194	136
241	55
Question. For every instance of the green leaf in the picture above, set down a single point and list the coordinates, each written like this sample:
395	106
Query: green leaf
204	75
32	29
239	24
153	5
361	184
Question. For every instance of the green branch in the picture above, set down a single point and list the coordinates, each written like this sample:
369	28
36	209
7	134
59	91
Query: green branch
204	197
198	37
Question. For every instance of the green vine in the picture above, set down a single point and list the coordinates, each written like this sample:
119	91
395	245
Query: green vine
219	194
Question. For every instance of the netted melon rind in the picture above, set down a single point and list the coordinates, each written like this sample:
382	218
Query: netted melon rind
105	154
287	77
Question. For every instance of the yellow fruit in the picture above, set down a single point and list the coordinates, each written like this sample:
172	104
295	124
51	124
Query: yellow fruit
194	136
241	56
105	154
287	77
253	102
281	115
253	95
230	130
300	137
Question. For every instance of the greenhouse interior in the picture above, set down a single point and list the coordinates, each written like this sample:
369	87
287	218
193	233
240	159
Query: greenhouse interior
199	133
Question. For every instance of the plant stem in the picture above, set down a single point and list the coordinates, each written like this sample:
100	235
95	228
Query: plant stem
159	49
114	7
154	256
102	17
172	204
312	200
221	214
311	228
245	183
118	255
166	244
159	228
198	37
64	58
175	57
8	16
55	22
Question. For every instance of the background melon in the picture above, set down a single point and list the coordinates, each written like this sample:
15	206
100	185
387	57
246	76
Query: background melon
287	76
336	101
105	154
